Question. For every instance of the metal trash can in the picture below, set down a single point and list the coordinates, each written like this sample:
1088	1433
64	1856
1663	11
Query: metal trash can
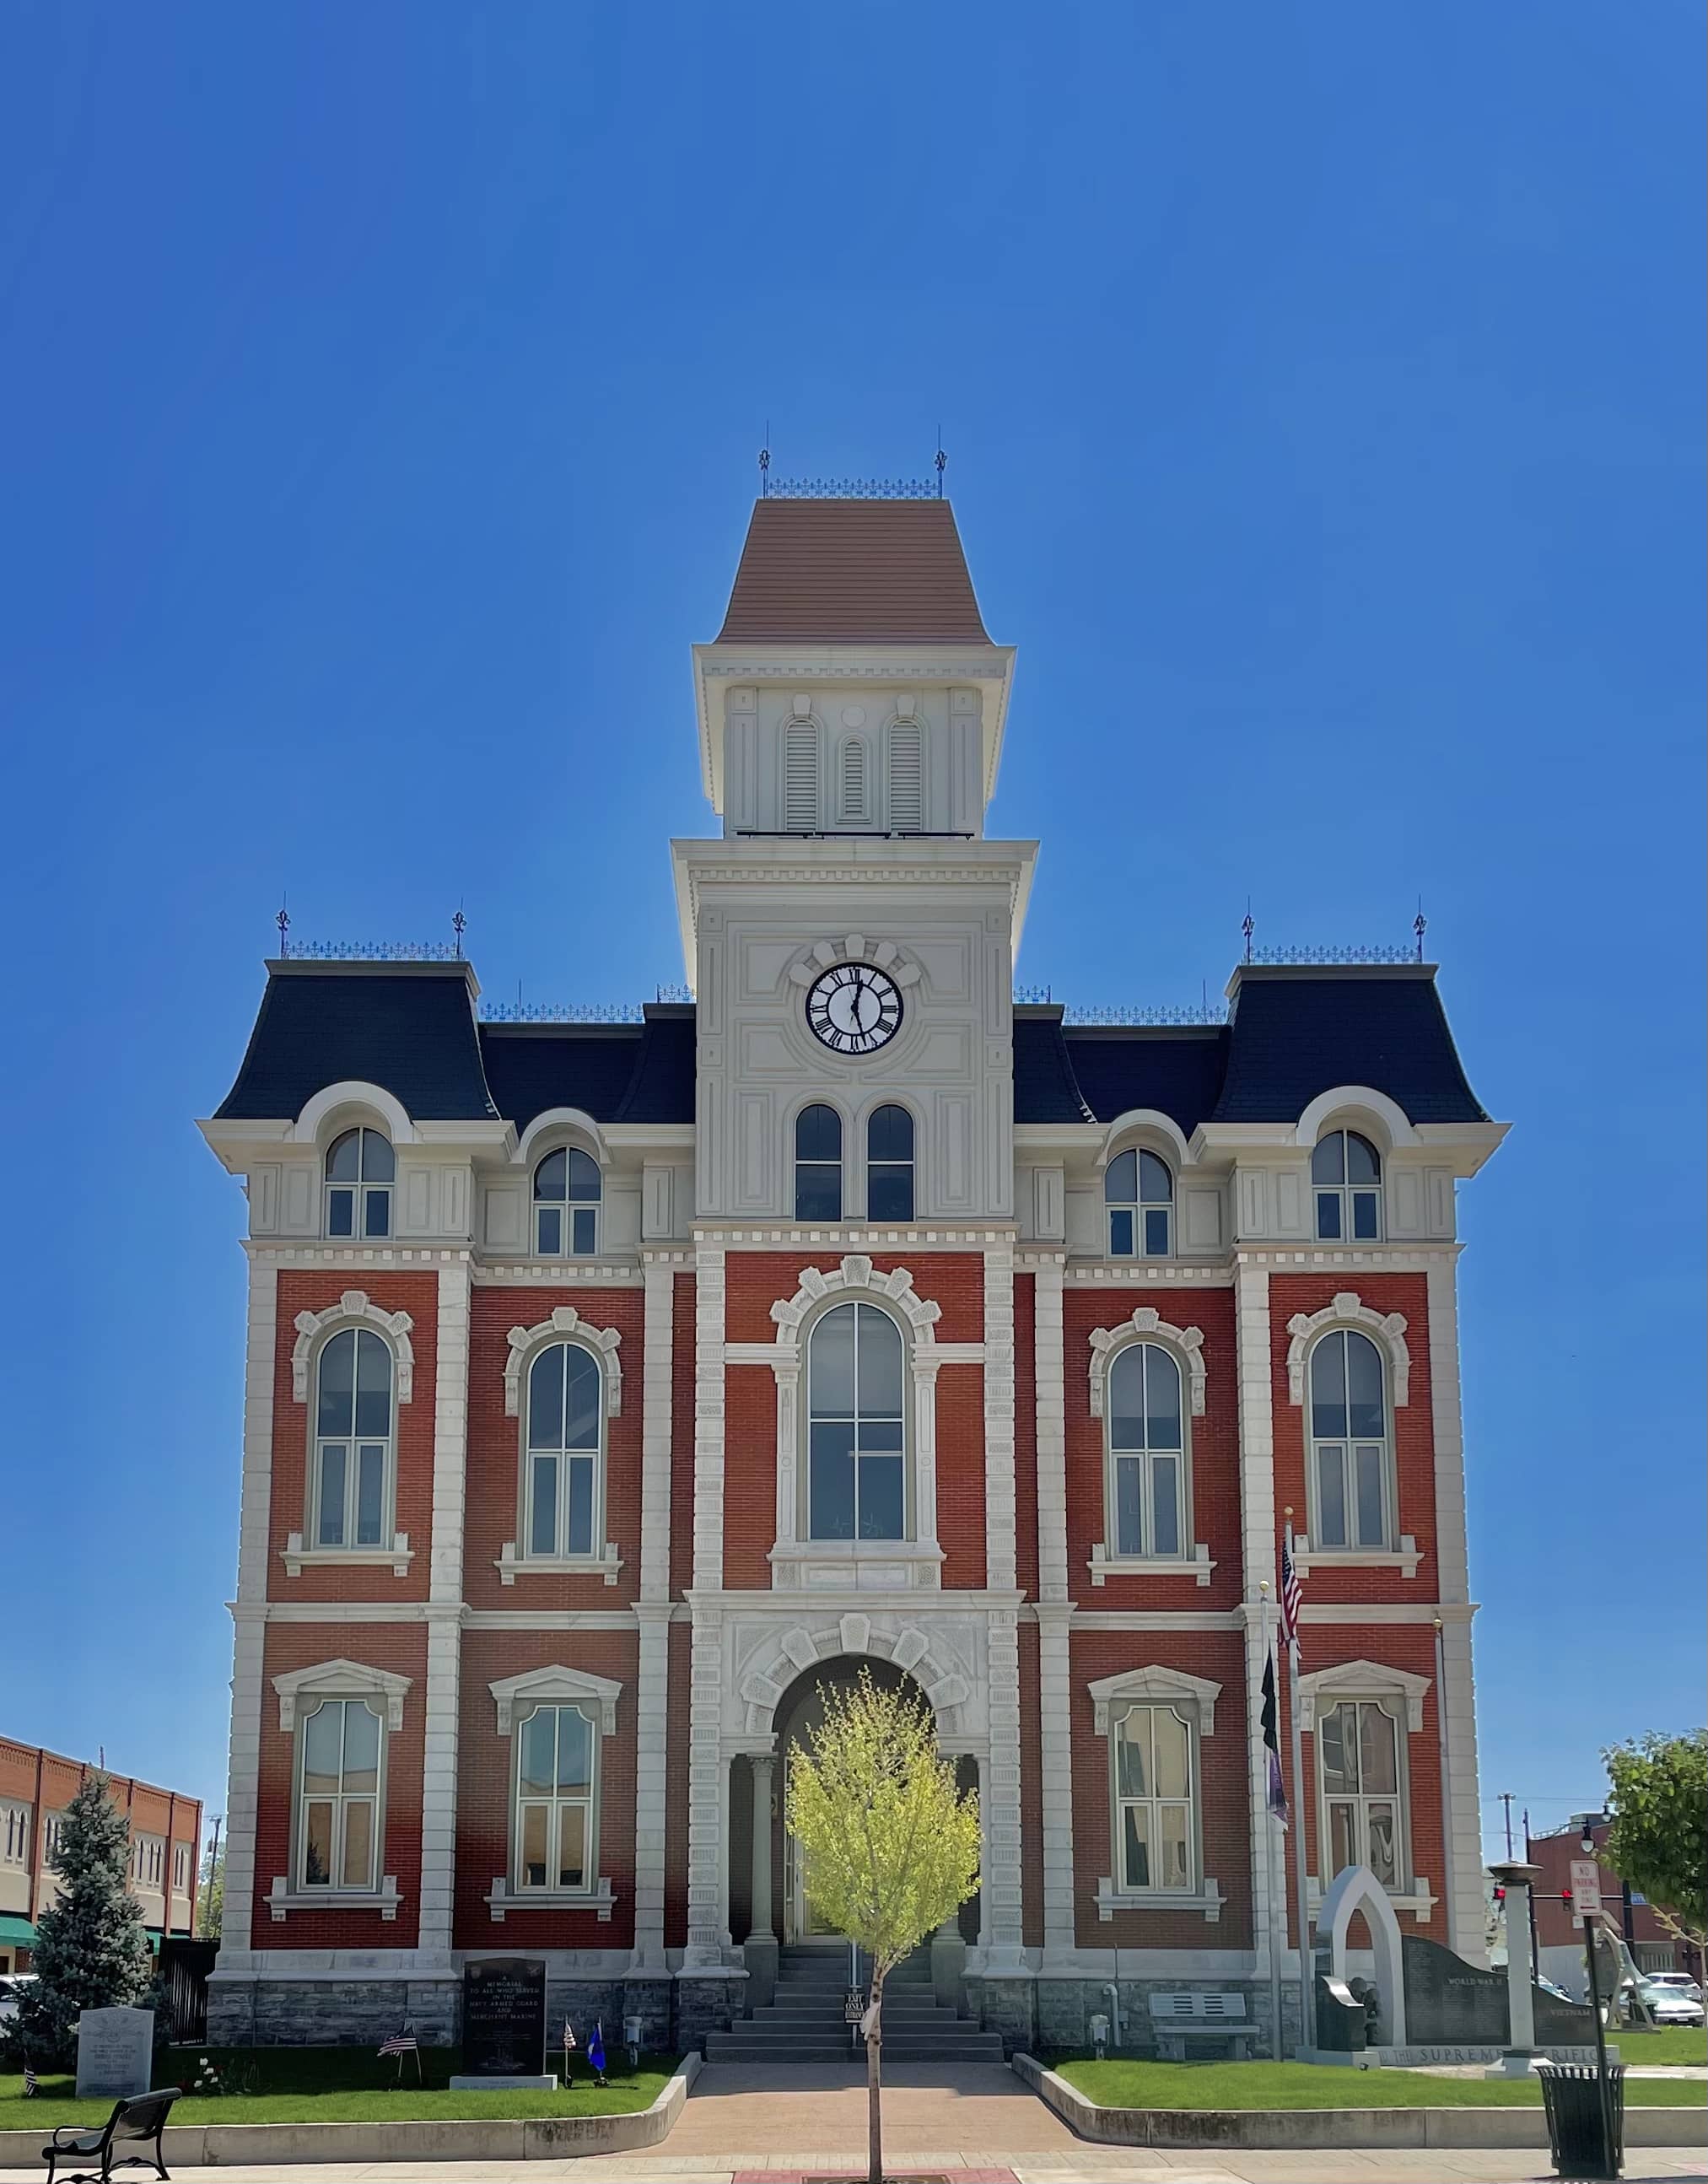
1576	2130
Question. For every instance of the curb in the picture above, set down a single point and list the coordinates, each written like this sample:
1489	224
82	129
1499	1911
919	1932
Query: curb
1366	2129
451	2138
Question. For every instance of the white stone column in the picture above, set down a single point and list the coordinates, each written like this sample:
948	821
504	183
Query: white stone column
652	1690
1463	1883
1005	1953
249	1611
1055	1611
764	1766
444	1612
998	1419
1258	1559
706	1935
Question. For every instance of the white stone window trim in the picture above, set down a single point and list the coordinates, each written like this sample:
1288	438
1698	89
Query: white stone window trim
853	948
1406	1559
1419	1898
780	1657
1361	1679
515	1697
1321	1688
1193	1698
791	1556
1186	1343
1346	1309
565	1324
354	1308
340	1678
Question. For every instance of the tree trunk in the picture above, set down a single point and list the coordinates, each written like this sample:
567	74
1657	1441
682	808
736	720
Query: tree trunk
874	2073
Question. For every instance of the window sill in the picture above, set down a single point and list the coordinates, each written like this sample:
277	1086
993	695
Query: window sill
510	1565
283	1898
502	1898
847	1565
1207	1900
1104	1565
1405	1559
1419	1899
397	1557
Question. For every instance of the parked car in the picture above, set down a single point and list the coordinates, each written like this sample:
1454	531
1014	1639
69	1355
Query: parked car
12	1986
1665	2004
1676	1983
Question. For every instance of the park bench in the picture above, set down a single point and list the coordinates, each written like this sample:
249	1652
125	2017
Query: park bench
139	2120
1178	2018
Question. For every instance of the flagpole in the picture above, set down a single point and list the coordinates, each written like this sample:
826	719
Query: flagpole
1275	1894
1307	1986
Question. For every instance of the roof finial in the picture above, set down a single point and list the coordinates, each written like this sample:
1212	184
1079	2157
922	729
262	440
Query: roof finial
942	462
1248	927
1419	926
766	461
457	923
283	922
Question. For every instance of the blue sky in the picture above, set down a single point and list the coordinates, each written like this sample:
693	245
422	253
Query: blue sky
1320	384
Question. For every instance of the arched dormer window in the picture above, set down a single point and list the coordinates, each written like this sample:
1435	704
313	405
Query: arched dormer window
818	1164
1138	1193
563	1516
889	1164
851	782
856	1481
1346	1181
354	1485
361	1169
1146	1454
567	1191
1351	1477
801	797
906	783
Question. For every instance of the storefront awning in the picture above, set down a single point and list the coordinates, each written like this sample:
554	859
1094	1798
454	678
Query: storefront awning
15	1932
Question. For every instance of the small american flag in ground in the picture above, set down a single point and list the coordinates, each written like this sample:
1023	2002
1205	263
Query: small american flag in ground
29	2081
1292	1598
401	2043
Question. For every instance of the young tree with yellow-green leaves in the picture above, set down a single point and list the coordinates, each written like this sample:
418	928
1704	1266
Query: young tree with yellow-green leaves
891	1844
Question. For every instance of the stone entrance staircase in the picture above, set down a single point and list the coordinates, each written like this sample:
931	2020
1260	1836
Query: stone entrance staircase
805	2023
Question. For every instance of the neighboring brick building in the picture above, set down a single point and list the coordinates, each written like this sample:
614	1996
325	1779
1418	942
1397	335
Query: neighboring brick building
36	1786
610	1384
1559	1938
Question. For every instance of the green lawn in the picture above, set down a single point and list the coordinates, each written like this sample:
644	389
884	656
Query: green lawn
1119	2084
1672	2043
336	2084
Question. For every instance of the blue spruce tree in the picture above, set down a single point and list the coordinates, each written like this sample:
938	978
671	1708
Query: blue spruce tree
92	1951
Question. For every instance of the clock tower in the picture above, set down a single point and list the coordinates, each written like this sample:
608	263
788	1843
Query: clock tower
850	937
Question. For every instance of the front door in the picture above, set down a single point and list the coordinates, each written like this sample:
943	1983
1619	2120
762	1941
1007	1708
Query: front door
801	1922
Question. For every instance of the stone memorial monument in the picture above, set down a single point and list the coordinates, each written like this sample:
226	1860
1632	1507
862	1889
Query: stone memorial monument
503	2026
115	2054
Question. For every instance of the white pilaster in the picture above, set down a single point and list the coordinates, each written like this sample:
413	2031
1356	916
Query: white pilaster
653	1674
1463	1884
998	1418
249	1609
445	1597
1056	1696
706	1943
1258	1560
1002	1822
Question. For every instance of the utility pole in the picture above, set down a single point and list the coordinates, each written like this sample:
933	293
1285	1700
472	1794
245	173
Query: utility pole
1535	1959
1506	1800
213	1868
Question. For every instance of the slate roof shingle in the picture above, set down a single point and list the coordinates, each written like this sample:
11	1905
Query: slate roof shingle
1295	1035
853	572
411	1032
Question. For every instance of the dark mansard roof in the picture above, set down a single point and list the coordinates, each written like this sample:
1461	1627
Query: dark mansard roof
411	1029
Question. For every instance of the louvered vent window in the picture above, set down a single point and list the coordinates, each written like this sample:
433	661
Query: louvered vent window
853	781
801	778
907	778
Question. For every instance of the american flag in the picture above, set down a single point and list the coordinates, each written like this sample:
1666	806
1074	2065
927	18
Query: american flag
29	2081
1292	1598
401	2043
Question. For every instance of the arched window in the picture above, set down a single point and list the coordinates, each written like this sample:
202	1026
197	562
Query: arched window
852	782
801	800
557	1752
906	777
361	1169
856	1488
818	1164
353	1473
1346	1177
1351	1476
338	1818
1139	1191
564	1517
1147	1453
1153	1799
889	1164
567	1188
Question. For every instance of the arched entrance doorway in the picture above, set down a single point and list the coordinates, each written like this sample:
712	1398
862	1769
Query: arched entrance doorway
799	1711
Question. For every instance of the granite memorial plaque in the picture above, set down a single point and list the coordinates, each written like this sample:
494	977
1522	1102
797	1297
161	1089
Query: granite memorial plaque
115	2054
503	2024
1450	2004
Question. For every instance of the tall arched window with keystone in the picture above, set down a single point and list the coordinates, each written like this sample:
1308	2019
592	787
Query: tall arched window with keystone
1153	1800
557	1762
1351	1469
1346	1181
856	1465
564	1488
1146	1454
353	1471
361	1169
889	1164
567	1191
818	1164
338	1814
1138	1193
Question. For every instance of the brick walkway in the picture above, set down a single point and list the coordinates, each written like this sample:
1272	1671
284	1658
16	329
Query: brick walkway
979	2116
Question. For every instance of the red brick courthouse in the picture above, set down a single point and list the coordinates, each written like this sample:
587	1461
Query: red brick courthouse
611	1385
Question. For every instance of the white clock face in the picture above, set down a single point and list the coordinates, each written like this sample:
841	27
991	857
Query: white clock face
855	1009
